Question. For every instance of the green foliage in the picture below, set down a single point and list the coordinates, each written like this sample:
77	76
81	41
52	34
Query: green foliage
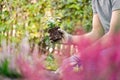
18	17
5	70
51	63
73	11
51	24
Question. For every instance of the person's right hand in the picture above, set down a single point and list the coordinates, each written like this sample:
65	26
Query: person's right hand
66	37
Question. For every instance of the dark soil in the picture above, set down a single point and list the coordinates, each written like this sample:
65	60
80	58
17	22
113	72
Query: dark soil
55	34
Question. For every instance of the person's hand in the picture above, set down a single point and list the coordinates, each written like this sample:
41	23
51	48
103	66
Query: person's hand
56	34
66	37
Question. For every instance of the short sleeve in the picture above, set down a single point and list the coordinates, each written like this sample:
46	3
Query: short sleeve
93	7
115	4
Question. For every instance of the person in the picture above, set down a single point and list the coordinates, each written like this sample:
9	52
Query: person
106	22
106	17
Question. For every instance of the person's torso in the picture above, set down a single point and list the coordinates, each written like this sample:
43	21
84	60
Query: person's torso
104	11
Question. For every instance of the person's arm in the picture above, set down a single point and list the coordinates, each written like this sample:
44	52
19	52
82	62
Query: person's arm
96	33
115	22
107	40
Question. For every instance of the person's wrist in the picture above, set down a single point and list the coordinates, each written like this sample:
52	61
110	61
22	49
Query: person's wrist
69	38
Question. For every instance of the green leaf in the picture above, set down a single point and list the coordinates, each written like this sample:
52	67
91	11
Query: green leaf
5	71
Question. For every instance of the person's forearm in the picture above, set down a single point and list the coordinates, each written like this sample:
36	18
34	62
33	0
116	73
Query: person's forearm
89	37
108	40
104	42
